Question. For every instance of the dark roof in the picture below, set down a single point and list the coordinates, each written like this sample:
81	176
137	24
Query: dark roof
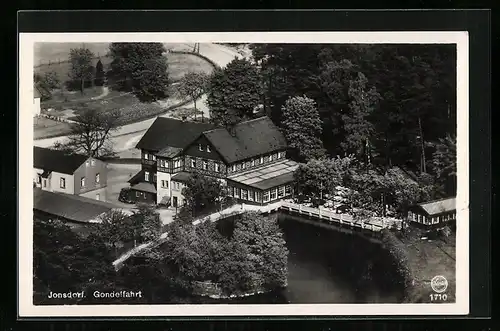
438	206
70	207
249	139
171	132
181	176
137	177
170	152
58	161
144	187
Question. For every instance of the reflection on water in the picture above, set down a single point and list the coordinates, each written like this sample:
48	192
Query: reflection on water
326	266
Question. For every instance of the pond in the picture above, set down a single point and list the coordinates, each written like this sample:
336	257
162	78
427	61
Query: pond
327	267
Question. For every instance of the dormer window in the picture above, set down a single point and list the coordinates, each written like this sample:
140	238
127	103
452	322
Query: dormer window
146	156
208	148
200	147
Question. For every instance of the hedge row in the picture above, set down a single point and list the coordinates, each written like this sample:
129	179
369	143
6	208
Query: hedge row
399	253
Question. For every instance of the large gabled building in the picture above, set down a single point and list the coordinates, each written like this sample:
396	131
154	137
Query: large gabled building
250	159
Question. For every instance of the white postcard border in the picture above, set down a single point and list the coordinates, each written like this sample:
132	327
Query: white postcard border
25	138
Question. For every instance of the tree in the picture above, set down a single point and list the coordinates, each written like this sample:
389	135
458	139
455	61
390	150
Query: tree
192	85
81	69
265	247
63	261
46	83
99	74
317	178
91	132
146	223
302	128
444	162
357	126
151	82
234	92
140	68
115	227
202	192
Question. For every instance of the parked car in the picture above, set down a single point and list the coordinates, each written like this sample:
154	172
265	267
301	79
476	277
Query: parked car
125	196
342	209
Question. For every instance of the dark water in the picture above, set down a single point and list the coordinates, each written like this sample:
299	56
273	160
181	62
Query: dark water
328	266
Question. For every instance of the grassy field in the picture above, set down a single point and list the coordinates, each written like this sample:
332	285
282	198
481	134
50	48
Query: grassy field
427	259
178	64
45	128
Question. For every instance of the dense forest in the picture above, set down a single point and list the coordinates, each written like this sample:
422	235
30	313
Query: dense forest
392	104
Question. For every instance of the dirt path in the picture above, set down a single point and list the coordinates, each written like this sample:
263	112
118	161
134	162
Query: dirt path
105	92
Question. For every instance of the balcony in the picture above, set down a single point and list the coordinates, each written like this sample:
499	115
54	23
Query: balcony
148	162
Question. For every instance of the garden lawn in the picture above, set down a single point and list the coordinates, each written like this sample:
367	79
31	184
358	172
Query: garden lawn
45	128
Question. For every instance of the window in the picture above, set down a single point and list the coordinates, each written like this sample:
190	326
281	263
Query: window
243	165
146	156
266	196
97	178
193	163
164	183
154	157
87	163
98	196
154	178
44	182
244	194
281	191
217	167
166	164
62	182
273	194
146	176
38	179
200	147
253	163
258	196
250	195
261	159
92	162
234	167
205	165
178	186
270	158
236	192
137	193
278	156
82	182
288	190
208	148
248	164
177	163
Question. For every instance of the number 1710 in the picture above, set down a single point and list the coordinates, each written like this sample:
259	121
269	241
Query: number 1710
438	297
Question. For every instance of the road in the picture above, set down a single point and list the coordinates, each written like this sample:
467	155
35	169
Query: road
127	136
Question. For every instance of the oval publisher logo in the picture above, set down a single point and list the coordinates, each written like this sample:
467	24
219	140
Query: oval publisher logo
439	284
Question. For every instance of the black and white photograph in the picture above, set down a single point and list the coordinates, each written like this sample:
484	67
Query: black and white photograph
244	174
